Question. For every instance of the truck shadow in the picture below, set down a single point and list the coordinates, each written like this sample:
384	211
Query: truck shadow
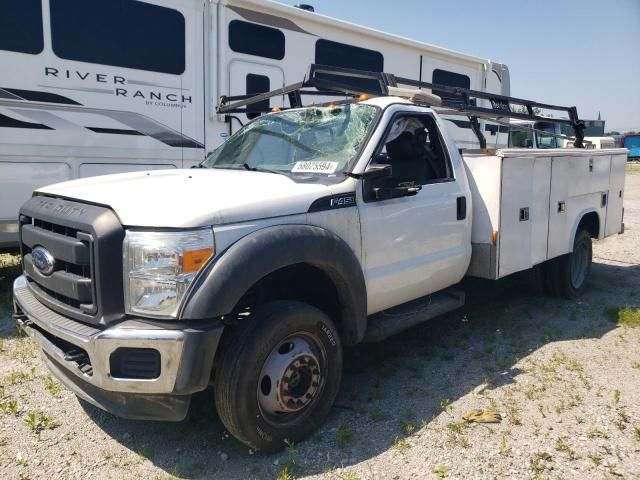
407	379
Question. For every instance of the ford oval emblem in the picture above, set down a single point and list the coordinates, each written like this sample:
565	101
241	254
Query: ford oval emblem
43	260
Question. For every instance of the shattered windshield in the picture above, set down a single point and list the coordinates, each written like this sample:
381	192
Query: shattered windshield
317	141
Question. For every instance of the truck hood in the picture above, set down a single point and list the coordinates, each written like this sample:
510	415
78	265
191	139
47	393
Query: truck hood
193	197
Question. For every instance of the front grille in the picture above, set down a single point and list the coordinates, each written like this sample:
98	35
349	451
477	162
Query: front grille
84	243
52	227
83	269
54	296
71	282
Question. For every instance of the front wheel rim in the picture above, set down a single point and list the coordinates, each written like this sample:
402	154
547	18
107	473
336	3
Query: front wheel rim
292	379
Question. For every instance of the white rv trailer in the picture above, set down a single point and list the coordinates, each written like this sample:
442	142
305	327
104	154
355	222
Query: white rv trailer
90	88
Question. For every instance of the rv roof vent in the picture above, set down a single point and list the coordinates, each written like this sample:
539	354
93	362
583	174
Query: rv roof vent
305	6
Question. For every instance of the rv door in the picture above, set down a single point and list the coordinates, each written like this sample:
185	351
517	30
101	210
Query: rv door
248	78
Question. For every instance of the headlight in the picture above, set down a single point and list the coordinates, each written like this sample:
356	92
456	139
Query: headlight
160	266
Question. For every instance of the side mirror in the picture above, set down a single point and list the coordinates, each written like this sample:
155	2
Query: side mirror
377	171
381	158
374	177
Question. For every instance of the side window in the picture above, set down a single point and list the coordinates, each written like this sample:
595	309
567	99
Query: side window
338	54
568	131
547	141
254	39
415	151
450	79
494	129
122	33
520	139
544	140
21	26
257	84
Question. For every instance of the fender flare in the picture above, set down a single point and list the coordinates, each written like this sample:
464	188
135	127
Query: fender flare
224	281
579	218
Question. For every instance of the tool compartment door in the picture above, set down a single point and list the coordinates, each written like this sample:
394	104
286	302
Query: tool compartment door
616	194
578	184
524	213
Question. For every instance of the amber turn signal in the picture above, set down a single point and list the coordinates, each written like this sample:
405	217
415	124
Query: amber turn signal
193	260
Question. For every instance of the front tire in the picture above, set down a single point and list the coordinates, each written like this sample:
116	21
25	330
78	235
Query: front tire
278	374
567	275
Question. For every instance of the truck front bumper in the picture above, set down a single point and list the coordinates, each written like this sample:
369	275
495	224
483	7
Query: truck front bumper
137	369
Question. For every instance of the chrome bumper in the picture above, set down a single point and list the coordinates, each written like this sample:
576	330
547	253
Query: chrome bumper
186	353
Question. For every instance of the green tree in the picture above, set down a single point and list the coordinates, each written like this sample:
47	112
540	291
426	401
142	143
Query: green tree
523	109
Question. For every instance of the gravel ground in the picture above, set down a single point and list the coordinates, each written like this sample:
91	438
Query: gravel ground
564	375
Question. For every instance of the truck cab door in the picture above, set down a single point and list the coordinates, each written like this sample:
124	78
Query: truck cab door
249	78
415	224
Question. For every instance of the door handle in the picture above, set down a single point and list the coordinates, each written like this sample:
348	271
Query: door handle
461	208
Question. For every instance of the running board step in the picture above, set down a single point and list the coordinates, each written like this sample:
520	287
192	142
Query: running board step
394	320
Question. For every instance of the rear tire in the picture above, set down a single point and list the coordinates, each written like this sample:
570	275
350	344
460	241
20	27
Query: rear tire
567	275
278	374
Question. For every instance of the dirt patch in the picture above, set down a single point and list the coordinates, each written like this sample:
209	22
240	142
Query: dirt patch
564	375
633	168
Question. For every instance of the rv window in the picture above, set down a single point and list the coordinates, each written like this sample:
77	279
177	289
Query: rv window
347	56
343	55
257	84
21	26
122	33
451	79
257	40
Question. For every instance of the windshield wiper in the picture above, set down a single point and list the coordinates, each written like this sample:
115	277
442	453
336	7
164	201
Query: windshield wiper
261	169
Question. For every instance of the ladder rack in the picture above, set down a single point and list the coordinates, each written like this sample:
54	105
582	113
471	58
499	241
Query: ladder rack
350	83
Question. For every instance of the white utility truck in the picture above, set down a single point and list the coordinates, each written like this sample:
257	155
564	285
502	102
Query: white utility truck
297	236
112	86
549	134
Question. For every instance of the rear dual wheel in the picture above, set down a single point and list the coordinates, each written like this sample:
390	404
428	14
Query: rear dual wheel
567	276
278	374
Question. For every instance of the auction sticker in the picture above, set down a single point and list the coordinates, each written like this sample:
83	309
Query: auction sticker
314	167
